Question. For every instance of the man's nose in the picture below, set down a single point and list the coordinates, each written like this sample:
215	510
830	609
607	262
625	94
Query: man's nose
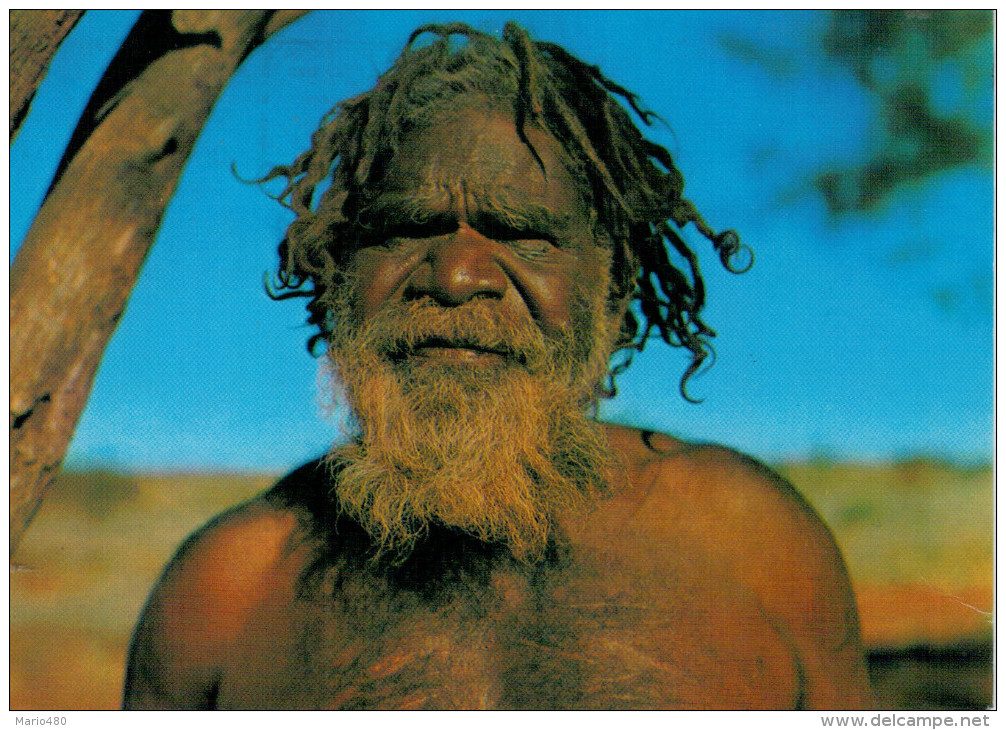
458	267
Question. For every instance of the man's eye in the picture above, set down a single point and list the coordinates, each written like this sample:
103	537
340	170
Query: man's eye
505	233
528	243
530	249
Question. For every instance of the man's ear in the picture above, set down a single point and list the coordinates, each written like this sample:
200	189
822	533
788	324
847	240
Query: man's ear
622	265
618	302
621	292
622	277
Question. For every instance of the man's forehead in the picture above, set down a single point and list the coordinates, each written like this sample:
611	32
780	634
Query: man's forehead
478	159
426	199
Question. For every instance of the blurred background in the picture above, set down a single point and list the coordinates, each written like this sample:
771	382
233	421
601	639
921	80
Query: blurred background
852	151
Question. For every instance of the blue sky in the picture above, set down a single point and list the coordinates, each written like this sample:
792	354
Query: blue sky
864	336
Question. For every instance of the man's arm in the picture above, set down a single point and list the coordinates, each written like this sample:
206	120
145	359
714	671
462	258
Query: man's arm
758	525
805	583
169	666
198	608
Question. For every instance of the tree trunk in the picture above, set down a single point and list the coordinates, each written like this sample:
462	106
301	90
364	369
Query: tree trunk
73	274
35	36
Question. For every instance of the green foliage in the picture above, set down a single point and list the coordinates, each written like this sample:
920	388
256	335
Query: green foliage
932	72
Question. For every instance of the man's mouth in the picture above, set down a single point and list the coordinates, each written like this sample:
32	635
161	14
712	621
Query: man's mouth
462	352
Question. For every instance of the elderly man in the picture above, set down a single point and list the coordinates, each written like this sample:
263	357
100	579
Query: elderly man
494	229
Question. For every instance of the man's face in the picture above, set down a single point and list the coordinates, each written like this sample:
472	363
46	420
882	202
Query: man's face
465	212
469	338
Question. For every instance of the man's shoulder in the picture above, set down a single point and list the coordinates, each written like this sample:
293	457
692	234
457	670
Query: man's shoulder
735	510
201	604
218	568
241	541
215	569
750	527
664	468
738	515
247	543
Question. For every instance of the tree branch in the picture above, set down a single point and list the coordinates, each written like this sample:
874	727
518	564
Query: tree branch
35	36
77	266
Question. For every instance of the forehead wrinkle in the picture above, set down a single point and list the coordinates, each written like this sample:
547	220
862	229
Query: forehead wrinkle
517	208
416	204
428	200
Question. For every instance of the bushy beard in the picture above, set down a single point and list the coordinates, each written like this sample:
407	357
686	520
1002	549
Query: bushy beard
496	450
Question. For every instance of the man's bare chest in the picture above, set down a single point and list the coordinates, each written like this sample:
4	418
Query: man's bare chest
506	639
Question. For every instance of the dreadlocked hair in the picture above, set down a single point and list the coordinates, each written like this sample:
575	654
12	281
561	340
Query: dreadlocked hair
632	184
